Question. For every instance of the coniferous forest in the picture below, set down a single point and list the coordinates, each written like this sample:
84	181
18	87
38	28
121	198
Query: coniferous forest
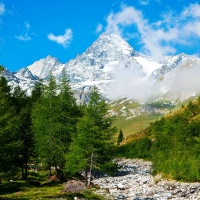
48	129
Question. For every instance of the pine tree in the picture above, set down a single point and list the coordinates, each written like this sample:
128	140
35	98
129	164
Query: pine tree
10	144
23	106
42	124
54	122
120	137
68	114
37	91
91	147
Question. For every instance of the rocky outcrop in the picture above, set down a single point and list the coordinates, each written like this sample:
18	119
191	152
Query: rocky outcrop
133	181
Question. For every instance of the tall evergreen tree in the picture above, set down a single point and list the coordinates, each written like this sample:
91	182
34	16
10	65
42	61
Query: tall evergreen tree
42	122
10	144
23	106
91	148
120	137
53	122
37	91
68	114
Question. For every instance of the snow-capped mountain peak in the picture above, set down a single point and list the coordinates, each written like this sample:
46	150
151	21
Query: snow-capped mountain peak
42	67
111	46
25	73
111	61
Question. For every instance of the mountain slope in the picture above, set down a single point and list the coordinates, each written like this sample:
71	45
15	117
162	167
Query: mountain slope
118	70
23	78
43	67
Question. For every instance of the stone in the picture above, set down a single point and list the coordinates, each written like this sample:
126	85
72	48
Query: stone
134	182
121	197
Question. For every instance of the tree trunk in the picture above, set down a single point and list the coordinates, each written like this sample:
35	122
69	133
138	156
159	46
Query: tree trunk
86	177
56	170
49	173
22	170
26	166
90	171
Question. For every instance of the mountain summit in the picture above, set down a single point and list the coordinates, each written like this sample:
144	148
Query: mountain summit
117	69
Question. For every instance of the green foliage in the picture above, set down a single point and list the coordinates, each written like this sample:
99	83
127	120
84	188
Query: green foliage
139	148
120	137
172	143
176	148
23	105
91	146
1	68
53	120
10	144
37	91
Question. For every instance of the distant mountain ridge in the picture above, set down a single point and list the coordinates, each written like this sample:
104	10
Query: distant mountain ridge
115	67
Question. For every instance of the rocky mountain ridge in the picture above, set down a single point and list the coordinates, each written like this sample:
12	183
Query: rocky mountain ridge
116	68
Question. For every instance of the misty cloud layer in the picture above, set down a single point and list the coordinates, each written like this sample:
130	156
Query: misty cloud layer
180	83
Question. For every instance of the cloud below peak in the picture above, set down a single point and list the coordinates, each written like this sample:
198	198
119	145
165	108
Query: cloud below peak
64	39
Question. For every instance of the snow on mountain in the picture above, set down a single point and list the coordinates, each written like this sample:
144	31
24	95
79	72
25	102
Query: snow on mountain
149	64
183	81
24	73
99	62
168	63
117	69
43	67
23	78
10	76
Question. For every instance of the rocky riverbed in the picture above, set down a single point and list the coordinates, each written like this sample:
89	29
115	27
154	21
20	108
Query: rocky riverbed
134	181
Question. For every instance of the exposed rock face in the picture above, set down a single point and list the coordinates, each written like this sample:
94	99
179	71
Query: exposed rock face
118	70
134	181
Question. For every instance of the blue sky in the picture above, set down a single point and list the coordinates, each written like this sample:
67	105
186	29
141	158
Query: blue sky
32	29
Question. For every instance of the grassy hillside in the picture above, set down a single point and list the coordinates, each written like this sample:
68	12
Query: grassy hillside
132	117
172	143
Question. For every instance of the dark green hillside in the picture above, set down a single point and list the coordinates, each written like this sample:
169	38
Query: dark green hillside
172	143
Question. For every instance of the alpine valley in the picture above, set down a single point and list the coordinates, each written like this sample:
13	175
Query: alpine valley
137	86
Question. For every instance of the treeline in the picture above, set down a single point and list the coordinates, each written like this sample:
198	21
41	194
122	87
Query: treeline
48	128
172	143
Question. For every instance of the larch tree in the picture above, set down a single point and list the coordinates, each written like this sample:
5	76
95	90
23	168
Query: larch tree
53	122
22	104
10	144
120	137
91	147
68	114
44	125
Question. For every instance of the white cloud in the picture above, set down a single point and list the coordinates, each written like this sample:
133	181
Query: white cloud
126	17
192	10
64	40
99	28
23	37
25	34
27	25
159	37
2	8
144	2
